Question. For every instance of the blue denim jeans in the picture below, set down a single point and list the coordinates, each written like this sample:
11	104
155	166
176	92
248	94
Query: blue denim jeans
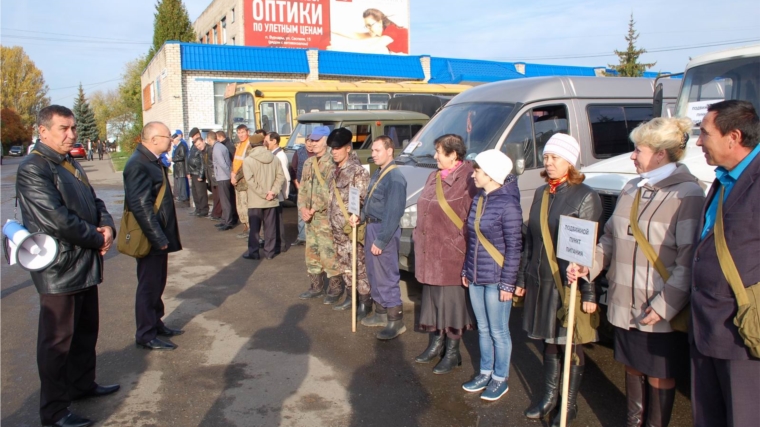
301	228
492	316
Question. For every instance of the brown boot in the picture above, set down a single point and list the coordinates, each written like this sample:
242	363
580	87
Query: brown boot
317	288
635	392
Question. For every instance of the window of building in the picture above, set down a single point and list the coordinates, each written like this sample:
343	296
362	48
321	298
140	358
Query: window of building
401	134
224	30
216	35
219	88
276	117
232	15
146	97
208	37
158	89
530	133
612	124
368	101
308	102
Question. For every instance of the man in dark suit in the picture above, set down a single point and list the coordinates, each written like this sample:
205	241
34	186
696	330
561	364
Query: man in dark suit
725	377
144	175
56	199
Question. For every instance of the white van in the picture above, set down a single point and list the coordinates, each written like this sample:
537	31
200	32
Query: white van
709	78
518	117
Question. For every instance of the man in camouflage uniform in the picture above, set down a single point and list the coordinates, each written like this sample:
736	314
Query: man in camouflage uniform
348	173
313	205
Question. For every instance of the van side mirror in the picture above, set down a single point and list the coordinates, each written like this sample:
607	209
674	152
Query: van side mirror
657	101
516	153
370	160
404	143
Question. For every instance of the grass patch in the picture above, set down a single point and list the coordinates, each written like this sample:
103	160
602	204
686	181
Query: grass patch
119	159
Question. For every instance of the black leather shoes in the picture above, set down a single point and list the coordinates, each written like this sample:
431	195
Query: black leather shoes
226	227
219	225
100	390
251	256
71	420
166	331
157	344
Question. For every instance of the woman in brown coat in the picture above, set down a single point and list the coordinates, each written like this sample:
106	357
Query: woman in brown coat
439	250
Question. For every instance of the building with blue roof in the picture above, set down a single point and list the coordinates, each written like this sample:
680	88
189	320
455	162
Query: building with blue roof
184	84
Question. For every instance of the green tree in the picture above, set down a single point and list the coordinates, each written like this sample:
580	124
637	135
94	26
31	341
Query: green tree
13	131
171	22
629	59
130	91
24	90
87	128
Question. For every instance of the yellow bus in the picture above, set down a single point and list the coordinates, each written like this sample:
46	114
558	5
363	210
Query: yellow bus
274	106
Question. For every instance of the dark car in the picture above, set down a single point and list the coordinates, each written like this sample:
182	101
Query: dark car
16	150
78	151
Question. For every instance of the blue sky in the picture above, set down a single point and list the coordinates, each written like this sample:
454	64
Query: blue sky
583	32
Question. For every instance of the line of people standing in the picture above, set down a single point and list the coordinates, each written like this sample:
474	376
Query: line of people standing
469	215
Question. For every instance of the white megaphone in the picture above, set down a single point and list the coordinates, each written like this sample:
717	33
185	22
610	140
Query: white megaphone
33	252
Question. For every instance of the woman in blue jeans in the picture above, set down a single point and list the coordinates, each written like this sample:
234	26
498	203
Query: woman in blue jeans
494	242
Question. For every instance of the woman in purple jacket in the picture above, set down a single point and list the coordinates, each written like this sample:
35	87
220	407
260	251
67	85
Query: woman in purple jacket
439	248
494	242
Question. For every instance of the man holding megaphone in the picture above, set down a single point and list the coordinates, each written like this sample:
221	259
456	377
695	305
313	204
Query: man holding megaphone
56	199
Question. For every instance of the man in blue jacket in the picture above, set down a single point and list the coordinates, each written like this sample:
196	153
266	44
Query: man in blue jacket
384	206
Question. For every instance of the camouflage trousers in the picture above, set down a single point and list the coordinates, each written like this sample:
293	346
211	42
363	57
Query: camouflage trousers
241	201
320	250
343	248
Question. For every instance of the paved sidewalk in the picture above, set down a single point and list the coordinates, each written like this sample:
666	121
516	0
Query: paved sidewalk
101	171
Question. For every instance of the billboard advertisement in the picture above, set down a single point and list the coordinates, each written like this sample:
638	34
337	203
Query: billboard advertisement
364	26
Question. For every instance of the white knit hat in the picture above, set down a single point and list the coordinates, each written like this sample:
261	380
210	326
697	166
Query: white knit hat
495	164
564	146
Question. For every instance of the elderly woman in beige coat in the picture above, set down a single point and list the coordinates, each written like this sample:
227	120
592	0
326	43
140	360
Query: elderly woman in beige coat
659	210
264	177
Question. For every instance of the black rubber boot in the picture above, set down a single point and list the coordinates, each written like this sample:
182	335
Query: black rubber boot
576	376
660	406
363	308
551	389
334	290
635	393
451	358
395	326
317	288
379	319
346	304
434	349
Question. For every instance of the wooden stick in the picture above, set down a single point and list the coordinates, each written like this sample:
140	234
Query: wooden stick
353	282
568	350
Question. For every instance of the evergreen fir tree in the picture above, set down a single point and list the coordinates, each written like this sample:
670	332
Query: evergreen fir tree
87	128
629	59
171	22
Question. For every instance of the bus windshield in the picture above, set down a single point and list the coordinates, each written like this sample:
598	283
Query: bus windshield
479	124
240	111
302	131
703	85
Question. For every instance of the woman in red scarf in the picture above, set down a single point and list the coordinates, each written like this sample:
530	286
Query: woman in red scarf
563	194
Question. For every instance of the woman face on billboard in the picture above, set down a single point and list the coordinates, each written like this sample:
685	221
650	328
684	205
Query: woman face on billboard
374	26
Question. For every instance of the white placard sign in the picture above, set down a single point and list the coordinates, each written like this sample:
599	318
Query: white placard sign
697	111
353	201
576	241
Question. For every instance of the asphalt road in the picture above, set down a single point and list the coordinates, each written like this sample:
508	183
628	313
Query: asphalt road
255	355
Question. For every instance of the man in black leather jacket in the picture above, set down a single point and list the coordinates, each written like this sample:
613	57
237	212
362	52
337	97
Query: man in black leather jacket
143	177
179	169
196	173
62	204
